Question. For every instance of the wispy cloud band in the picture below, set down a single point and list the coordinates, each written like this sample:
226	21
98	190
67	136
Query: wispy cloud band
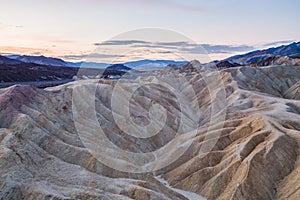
181	46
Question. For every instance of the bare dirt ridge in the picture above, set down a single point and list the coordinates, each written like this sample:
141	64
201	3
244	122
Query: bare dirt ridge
255	156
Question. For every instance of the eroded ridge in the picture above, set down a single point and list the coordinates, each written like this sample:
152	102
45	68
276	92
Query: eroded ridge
255	155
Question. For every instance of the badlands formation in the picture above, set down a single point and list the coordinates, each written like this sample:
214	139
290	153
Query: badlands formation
233	134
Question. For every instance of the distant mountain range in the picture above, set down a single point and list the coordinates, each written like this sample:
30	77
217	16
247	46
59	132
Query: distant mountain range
282	55
22	68
292	51
144	64
42	60
8	61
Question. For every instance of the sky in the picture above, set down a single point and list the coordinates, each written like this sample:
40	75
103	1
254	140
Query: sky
110	30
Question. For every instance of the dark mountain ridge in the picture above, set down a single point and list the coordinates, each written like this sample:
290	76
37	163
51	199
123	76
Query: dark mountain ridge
115	71
291	50
42	60
5	60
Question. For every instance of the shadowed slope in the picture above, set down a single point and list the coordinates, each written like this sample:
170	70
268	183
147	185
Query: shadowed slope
42	155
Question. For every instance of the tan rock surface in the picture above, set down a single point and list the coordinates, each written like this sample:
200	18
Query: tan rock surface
255	156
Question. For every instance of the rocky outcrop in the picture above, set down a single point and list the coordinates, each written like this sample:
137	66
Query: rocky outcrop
245	146
226	64
278	60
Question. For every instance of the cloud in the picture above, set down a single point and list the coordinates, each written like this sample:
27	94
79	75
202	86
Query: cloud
90	56
36	53
9	26
158	4
121	42
140	48
181	46
224	48
187	47
153	46
277	43
63	41
24	50
165	52
175	44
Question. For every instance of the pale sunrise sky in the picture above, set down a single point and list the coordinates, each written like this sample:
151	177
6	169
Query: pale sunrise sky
77	29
